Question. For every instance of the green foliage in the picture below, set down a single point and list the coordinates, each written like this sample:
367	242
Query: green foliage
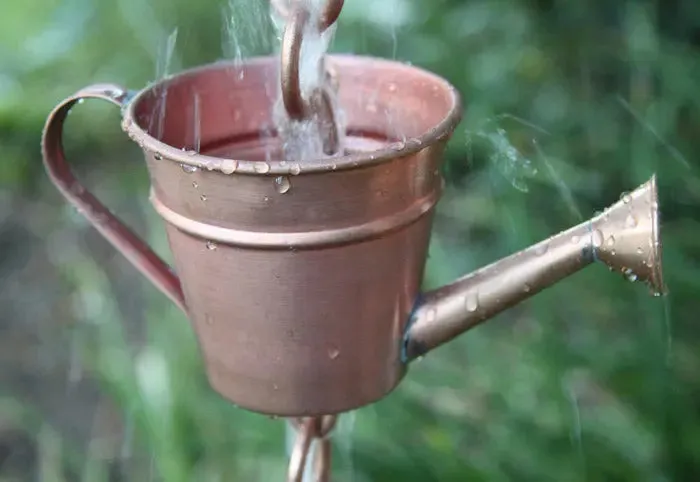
567	105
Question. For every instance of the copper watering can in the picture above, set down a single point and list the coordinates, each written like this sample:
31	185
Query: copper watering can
302	279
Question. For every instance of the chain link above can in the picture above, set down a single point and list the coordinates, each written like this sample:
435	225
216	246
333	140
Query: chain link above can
318	106
308	430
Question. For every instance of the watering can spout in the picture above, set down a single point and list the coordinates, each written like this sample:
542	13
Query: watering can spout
625	237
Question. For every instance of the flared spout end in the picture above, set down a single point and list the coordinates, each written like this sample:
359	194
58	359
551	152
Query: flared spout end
626	237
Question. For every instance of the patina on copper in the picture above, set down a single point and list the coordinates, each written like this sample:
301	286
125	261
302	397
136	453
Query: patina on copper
302	276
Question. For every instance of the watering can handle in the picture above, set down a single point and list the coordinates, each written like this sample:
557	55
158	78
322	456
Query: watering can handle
114	230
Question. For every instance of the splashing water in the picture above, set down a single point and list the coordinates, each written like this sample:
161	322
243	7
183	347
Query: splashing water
510	162
564	190
668	329
75	369
247	30
196	123
576	429
344	437
163	66
304	139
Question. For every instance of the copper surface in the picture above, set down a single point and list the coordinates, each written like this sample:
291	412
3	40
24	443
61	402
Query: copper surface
300	275
625	237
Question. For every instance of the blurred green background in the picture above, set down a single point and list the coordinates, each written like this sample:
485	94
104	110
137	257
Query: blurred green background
568	104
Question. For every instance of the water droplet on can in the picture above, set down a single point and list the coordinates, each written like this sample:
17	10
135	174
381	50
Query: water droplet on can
282	184
631	221
333	353
203	197
228	166
261	167
611	241
625	197
631	276
157	156
189	168
211	245
194	184
295	169
575	239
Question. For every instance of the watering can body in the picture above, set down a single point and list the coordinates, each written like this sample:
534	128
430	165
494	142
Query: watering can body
302	277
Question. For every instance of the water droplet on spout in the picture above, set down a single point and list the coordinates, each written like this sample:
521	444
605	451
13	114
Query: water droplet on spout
471	302
333	353
597	239
542	248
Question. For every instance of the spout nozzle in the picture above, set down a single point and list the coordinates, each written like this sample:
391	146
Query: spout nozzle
626	236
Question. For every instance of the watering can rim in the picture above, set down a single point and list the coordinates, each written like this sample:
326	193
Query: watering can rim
440	130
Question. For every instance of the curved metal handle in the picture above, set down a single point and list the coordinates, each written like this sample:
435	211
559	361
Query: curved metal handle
121	237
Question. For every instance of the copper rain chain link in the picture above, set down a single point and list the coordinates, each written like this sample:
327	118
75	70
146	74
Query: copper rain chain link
317	106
